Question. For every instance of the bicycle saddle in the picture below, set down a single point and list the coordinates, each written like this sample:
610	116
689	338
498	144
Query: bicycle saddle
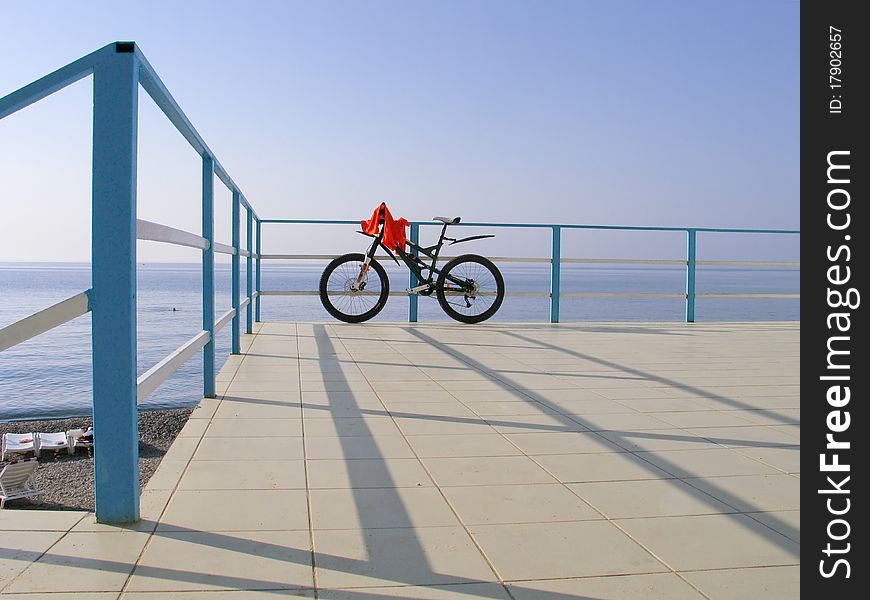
447	220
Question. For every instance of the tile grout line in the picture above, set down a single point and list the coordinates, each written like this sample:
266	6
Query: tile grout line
520	390
564	485
70	530
305	466
38	558
172	492
634	452
675	476
426	470
453	509
649	551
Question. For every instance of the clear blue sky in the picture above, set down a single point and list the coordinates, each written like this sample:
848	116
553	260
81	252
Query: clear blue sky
680	113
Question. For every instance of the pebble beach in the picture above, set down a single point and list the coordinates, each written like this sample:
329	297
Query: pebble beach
68	480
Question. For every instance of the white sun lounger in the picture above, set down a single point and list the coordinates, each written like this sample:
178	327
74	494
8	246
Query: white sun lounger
76	439
16	481
53	441
18	443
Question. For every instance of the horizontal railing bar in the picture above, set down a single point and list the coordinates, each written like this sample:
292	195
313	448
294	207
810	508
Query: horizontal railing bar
310	293
384	256
547	294
316	293
244	201
520	294
153	377
527	294
780	296
593	261
243	252
616	227
158	91
223	248
516	259
155	232
541	226
51	83
623	261
306	256
150	81
224	319
618	295
244	303
311	221
745	263
44	320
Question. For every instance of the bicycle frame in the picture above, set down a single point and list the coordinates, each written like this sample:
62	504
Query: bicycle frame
415	263
457	285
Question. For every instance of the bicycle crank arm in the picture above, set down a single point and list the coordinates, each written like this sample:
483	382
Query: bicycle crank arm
418	289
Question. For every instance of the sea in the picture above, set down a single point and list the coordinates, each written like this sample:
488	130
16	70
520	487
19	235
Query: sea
49	376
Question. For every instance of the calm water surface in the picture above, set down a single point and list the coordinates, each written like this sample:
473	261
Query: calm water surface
50	375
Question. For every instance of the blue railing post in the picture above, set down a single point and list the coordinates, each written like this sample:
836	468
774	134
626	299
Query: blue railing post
113	300
235	291
259	249
249	274
208	386
690	275
413	299
555	274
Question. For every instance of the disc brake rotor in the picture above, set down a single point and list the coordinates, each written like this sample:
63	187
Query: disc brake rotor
351	286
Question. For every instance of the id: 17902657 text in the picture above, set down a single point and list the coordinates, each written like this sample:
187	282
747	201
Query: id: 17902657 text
835	69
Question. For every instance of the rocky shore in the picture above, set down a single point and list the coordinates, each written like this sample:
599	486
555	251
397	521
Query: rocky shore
68	480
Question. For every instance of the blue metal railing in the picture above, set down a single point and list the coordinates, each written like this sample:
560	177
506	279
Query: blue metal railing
118	70
555	274
556	260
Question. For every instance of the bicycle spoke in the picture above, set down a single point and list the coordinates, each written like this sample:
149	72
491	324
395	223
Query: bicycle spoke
477	292
345	296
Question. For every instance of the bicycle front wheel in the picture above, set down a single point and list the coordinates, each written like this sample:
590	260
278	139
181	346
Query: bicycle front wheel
470	289
352	293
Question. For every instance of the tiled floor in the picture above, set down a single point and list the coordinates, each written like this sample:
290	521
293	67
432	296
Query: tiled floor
441	461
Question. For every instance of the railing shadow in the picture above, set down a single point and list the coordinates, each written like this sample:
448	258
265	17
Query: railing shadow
783	541
326	351
234	543
428	366
701	392
413	548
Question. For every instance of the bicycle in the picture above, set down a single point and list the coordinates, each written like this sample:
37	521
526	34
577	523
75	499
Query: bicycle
469	288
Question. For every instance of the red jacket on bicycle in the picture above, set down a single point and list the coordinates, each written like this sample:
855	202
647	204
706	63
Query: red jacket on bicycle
394	229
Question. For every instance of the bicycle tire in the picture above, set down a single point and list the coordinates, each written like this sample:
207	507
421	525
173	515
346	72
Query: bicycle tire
352	308
488	277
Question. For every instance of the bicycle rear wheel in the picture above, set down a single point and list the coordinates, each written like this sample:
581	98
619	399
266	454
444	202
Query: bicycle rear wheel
349	297
470	289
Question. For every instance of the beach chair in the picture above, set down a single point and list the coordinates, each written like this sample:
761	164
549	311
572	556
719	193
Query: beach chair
53	441
80	438
16	481
18	443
